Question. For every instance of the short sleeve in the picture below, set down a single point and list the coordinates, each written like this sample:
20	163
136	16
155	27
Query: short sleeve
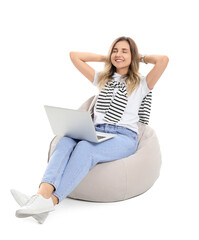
145	89
95	78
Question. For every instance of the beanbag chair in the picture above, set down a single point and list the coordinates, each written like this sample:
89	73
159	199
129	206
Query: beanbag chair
123	178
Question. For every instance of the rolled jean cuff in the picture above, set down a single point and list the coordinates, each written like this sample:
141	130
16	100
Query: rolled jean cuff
58	196
48	181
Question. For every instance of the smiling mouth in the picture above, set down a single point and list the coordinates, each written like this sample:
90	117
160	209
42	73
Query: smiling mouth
119	60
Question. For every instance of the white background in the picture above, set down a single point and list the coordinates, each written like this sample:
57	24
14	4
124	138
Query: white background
35	69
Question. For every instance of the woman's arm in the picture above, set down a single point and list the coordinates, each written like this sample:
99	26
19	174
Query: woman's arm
160	62
79	60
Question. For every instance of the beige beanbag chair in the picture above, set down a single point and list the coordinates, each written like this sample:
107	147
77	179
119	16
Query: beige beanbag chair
124	178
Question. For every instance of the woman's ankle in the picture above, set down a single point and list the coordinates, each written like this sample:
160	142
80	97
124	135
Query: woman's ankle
45	190
55	199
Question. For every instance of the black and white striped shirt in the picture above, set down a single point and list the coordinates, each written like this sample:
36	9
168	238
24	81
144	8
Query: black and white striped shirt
145	109
137	109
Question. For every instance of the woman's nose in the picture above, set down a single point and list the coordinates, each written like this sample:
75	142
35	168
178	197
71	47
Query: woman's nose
118	54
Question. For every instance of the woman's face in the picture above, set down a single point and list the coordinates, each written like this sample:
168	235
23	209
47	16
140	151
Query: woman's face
121	57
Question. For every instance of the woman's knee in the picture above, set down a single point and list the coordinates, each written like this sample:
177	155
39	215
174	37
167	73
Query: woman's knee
66	142
84	145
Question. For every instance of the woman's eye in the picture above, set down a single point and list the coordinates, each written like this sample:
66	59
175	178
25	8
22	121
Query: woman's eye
114	51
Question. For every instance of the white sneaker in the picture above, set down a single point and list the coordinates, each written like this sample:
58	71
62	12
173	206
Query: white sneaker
36	204
22	199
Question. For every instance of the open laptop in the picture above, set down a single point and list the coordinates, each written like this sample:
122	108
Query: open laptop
77	124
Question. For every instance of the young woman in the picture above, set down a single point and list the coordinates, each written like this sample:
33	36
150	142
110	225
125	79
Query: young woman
121	91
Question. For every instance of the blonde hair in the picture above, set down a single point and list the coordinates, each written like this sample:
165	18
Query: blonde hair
133	76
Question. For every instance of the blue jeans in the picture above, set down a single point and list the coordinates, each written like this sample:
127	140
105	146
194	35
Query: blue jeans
72	159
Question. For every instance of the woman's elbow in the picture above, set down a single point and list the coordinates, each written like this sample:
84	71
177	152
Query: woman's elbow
165	59
71	54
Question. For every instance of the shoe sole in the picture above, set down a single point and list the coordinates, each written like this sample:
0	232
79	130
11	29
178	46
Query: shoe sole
29	214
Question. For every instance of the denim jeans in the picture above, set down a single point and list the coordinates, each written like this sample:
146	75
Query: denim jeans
72	159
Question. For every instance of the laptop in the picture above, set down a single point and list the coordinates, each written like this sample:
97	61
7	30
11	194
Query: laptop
76	124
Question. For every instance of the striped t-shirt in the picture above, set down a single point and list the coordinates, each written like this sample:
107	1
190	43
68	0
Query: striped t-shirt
135	108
